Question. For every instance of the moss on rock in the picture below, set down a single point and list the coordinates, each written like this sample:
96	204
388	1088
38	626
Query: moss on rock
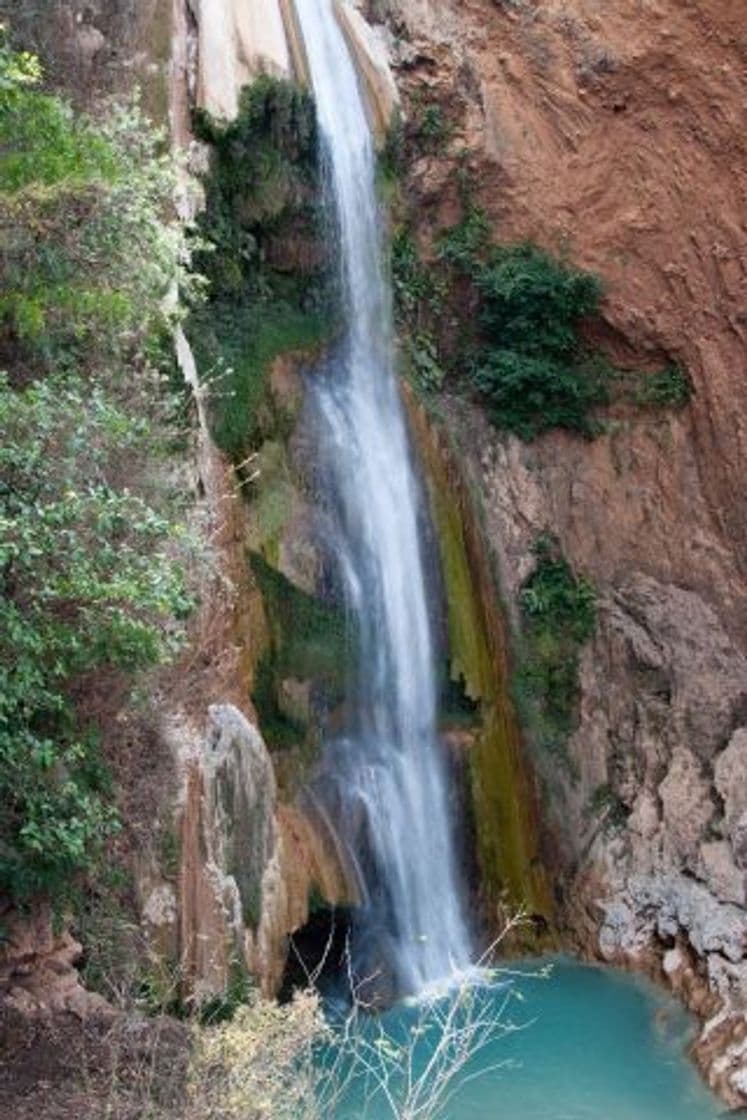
504	806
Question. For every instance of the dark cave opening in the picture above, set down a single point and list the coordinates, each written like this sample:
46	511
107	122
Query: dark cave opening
318	953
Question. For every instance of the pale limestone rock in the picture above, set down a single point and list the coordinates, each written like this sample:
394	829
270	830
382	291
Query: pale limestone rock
620	935
686	803
739	841
227	832
644	819
673	961
681	904
729	980
160	908
721	874
248	864
263	45
730	778
89	41
369	51
237	40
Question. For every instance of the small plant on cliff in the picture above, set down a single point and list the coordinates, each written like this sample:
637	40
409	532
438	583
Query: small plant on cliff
265	265
419	294
559	613
669	388
529	364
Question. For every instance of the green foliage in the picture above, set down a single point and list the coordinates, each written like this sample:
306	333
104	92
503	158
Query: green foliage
265	265
18	71
529	393
525	355
418	288
432	130
553	596
532	303
90	584
465	244
88	251
422	361
559	614
530	367
308	641
263	177
669	388
419	294
392	156
236	348
85	578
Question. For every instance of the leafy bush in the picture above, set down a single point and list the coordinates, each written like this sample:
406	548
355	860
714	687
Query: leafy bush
669	388
89	249
89	578
265	264
529	393
419	293
559	614
418	288
529	364
432	130
84	579
525	355
532	303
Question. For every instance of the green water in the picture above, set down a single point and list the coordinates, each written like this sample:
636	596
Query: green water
590	1044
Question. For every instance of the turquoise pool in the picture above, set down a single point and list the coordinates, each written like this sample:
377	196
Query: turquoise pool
591	1044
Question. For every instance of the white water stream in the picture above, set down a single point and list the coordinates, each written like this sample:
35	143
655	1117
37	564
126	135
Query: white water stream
389	766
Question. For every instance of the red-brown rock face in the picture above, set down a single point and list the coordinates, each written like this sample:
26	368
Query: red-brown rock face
615	134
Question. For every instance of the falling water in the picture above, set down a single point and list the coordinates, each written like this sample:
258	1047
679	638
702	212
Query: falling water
390	774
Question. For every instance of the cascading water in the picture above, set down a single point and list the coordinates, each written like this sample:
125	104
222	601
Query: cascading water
389	770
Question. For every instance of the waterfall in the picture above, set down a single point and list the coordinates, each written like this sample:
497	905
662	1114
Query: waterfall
388	766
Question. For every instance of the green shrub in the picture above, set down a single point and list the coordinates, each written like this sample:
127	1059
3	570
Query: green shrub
391	159
90	244
432	131
525	355
465	244
265	265
669	388
423	362
418	288
529	364
530	393
86	582
90	583
553	597
533	303
559	615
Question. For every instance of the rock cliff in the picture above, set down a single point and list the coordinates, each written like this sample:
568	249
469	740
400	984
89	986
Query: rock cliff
613	137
